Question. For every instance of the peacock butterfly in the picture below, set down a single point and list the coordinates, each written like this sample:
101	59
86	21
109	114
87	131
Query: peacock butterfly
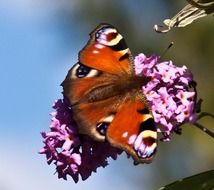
106	98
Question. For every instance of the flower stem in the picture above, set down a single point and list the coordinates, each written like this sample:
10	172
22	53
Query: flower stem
204	129
205	114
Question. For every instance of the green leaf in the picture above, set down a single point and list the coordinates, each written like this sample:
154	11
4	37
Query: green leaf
202	181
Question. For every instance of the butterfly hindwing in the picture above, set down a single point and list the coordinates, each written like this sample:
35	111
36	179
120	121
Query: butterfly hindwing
133	130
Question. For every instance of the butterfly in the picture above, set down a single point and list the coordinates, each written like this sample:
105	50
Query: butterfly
105	95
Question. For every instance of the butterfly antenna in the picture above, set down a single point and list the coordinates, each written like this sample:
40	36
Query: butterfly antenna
165	51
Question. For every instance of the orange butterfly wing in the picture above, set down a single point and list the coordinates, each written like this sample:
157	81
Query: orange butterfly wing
104	96
107	51
133	130
102	67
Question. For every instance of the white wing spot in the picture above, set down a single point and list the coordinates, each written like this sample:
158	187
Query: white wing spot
99	46
95	52
125	134
132	139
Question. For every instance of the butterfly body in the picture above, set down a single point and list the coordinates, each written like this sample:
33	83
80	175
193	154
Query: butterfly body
106	97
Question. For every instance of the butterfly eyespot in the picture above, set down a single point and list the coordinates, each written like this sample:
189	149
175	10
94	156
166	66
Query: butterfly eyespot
103	31
102	127
104	123
82	71
109	36
148	141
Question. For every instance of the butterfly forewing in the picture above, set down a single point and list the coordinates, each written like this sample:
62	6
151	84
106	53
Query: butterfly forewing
107	51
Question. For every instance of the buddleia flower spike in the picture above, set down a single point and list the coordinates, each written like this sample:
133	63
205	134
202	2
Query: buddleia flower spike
171	94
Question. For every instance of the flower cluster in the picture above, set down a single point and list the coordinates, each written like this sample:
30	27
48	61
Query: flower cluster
169	93
172	102
73	154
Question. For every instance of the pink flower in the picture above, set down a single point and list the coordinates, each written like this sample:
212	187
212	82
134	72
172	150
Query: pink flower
169	93
172	102
72	153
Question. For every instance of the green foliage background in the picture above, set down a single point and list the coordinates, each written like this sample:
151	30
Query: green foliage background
40	41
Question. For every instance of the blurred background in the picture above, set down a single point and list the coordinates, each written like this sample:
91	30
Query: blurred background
40	41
